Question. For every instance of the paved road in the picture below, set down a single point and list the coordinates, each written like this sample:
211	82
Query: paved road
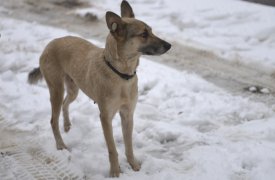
265	2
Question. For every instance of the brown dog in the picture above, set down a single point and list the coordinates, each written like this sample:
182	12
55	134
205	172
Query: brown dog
108	76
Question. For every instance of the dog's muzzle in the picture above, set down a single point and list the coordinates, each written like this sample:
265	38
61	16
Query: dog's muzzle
155	48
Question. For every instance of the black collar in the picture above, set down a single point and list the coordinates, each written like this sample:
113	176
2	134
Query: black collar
123	76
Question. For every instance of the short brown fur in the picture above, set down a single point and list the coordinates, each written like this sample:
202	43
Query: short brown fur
78	64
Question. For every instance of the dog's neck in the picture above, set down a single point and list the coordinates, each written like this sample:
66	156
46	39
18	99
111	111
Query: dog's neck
117	56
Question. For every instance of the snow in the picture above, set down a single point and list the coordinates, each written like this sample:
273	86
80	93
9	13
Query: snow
235	30
185	127
265	91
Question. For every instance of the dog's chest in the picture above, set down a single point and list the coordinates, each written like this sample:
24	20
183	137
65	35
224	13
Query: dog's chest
125	93
128	92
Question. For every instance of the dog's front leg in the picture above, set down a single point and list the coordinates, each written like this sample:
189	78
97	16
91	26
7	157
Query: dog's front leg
126	114
106	122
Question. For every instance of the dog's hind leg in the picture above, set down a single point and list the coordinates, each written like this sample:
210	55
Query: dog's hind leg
72	92
126	114
55	83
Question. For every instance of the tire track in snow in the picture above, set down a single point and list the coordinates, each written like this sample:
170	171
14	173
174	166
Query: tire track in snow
34	164
20	158
231	76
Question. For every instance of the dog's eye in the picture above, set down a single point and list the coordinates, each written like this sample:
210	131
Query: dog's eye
144	34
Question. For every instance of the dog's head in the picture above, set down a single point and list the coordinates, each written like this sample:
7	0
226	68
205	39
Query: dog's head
134	34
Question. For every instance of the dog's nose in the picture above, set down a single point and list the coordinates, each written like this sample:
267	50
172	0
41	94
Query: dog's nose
167	46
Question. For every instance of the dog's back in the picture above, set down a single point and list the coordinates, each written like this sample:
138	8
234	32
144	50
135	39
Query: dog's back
65	55
69	54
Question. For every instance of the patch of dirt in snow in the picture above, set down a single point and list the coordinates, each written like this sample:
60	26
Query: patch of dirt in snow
50	12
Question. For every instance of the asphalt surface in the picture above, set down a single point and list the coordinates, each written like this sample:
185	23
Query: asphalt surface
265	2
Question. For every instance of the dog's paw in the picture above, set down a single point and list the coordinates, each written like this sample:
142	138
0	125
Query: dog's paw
135	165
115	171
61	146
67	127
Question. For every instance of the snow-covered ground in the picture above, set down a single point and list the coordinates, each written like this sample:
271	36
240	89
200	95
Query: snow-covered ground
185	127
236	30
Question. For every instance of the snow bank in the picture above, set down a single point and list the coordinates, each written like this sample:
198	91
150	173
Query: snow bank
185	127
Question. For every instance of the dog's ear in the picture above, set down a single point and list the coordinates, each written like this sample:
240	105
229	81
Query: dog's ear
126	10
116	25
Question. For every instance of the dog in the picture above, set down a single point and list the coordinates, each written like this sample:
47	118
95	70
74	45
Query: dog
106	75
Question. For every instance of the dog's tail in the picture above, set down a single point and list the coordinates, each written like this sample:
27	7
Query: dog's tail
34	76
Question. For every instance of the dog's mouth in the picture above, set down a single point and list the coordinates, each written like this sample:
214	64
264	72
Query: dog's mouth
147	53
155	49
